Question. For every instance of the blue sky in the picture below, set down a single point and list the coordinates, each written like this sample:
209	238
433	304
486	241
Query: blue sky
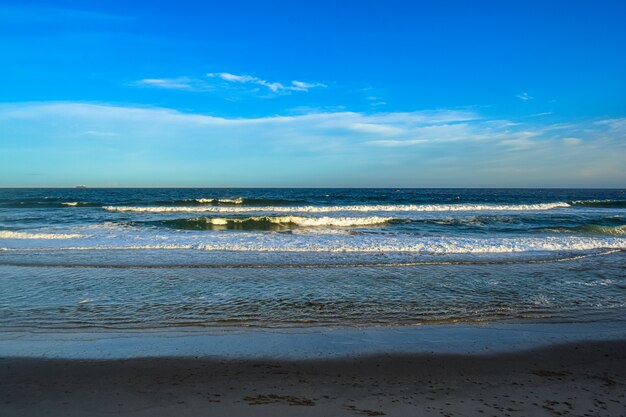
285	93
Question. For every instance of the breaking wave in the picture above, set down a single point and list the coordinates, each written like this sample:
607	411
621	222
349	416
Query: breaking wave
48	203
361	243
80	204
600	203
6	234
203	201
331	209
237	201
591	229
269	222
188	202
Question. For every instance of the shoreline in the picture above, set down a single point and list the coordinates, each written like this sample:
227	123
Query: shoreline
301	343
511	259
574	378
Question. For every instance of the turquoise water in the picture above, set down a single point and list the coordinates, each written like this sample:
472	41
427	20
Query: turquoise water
153	258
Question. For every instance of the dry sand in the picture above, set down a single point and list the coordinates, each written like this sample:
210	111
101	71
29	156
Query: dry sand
584	379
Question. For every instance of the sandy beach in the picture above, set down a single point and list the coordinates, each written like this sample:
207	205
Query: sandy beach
582	379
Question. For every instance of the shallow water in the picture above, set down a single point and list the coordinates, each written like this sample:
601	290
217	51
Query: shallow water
588	289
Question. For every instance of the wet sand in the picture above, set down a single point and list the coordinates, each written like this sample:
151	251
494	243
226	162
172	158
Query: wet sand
577	379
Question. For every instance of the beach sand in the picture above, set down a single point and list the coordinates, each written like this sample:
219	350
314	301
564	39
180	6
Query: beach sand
577	379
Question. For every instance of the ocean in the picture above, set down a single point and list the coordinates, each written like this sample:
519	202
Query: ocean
129	259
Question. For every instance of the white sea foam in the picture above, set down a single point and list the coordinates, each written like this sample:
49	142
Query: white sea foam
331	221
591	229
278	242
424	245
106	226
238	200
220	221
306	221
6	234
79	204
322	231
102	247
332	209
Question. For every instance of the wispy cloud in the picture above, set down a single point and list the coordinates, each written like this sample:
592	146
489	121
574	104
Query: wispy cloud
572	141
524	96
180	83
397	143
617	125
375	101
376	128
273	86
250	85
98	133
422	148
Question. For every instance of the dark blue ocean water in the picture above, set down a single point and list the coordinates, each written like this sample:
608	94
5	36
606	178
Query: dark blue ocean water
134	258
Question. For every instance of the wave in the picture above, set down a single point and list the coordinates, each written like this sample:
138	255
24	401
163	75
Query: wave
269	222
203	201
6	234
600	203
363	244
325	265
438	246
238	201
49	204
591	229
81	204
331	209
188	202
244	204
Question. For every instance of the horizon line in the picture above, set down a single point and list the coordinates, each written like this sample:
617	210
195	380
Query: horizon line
307	188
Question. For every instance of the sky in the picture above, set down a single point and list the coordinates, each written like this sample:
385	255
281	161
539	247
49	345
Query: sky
313	94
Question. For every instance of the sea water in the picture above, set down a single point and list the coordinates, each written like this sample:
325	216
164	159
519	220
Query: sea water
285	258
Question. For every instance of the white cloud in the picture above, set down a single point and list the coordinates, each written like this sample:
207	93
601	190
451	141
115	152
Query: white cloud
98	133
376	129
180	83
524	96
375	101
203	84
618	124
397	143
275	87
305	86
572	141
232	77
425	147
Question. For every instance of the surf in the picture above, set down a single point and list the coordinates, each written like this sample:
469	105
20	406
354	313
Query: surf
346	208
268	222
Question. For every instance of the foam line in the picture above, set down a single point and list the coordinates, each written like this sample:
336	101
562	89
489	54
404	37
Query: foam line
332	209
